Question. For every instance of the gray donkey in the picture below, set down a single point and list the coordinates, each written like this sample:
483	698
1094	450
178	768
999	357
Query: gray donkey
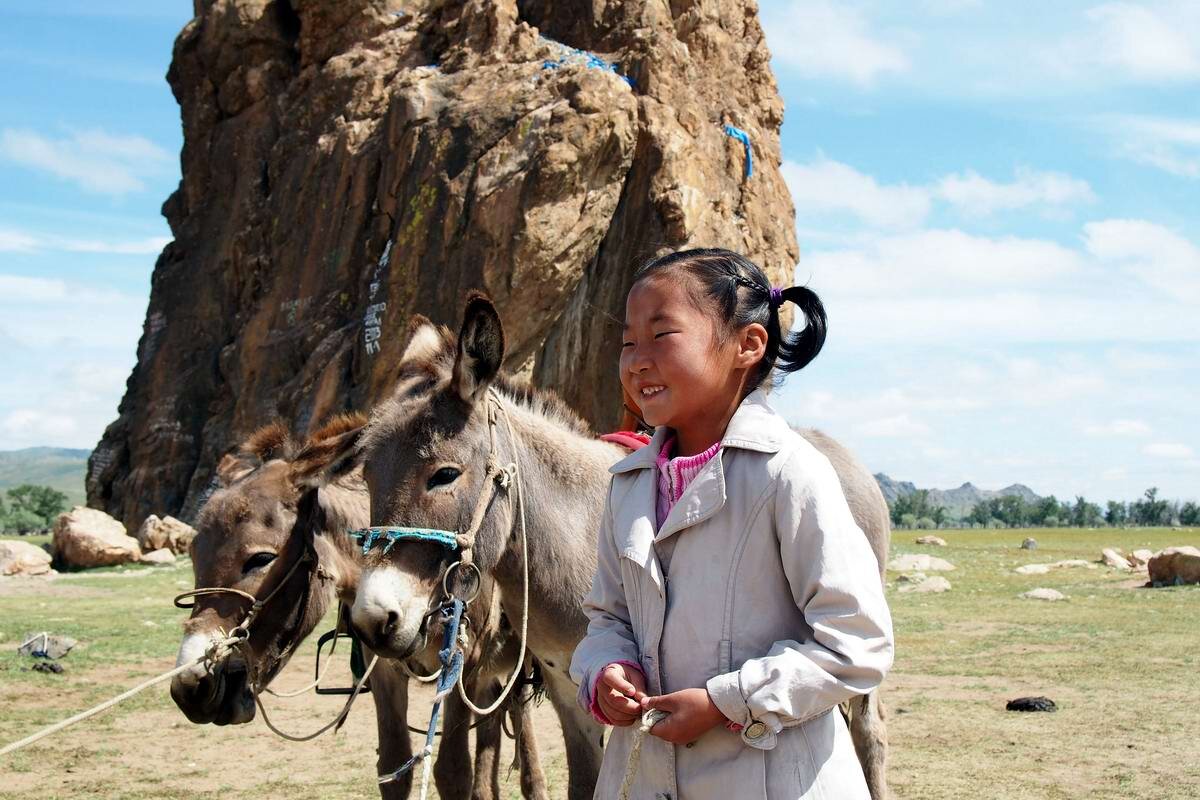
423	455
250	534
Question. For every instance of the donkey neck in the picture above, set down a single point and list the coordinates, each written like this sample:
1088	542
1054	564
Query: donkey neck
564	480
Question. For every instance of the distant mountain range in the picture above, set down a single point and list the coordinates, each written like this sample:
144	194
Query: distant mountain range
958	502
58	467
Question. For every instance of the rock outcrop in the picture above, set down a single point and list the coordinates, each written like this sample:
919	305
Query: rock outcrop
85	537
921	562
347	163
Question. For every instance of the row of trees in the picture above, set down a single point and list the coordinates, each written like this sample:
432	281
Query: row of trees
1012	511
30	508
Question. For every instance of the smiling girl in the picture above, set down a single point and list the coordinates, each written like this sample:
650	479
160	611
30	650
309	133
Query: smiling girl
734	590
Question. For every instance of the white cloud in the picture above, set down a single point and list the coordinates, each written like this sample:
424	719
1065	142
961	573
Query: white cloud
94	160
49	313
1119	427
1172	145
1158	256
16	242
1170	450
824	185
898	426
1144	42
975	195
24	242
820	39
926	264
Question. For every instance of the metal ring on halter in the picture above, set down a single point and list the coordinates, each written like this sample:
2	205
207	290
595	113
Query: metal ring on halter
476	586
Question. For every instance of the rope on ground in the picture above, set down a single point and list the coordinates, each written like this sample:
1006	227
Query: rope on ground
649	720
218	650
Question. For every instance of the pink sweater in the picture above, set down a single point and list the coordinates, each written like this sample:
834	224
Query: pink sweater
674	475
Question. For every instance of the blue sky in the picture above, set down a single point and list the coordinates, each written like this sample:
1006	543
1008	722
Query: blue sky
998	202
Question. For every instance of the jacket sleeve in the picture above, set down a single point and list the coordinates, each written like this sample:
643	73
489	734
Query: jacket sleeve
834	580
609	635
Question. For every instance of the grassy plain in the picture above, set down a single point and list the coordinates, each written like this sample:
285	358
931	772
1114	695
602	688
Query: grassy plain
1122	663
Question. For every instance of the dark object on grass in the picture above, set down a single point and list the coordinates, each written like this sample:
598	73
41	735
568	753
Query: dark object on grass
1031	704
48	666
45	645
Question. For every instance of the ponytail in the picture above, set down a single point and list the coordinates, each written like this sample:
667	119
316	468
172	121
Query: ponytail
797	350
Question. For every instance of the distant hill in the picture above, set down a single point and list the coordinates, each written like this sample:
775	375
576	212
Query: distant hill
958	502
58	467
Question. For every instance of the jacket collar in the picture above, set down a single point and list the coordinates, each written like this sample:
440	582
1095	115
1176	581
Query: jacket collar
754	426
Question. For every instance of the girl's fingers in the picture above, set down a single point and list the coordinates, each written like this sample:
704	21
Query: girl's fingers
612	677
625	705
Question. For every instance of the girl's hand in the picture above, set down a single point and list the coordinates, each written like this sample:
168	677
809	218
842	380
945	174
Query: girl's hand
620	692
692	715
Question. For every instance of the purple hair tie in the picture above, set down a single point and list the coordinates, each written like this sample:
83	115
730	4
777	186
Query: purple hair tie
776	297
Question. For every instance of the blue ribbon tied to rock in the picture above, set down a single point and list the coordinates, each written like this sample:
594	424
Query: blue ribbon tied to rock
744	138
392	534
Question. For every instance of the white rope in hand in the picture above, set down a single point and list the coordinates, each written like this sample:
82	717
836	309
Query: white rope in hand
649	720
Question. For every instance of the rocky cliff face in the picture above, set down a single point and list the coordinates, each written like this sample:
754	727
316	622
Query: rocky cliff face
347	163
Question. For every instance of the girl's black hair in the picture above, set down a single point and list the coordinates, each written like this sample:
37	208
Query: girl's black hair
721	275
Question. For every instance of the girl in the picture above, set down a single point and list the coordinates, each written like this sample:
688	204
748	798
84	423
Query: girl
734	589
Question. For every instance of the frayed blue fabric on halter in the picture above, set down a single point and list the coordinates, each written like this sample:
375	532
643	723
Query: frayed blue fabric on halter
744	138
392	534
571	55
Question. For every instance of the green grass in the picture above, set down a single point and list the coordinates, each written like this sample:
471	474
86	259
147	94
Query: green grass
1122	663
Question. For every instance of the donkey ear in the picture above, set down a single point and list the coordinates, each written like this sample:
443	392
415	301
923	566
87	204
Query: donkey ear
424	341
480	348
234	467
326	458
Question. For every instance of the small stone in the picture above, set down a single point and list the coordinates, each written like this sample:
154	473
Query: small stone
1031	704
45	645
48	666
1051	595
935	541
23	558
1032	569
920	562
912	577
935	585
1029	544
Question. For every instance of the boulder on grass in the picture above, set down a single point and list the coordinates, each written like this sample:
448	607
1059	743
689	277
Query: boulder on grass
936	541
1112	558
85	537
23	558
1175	566
1140	558
935	585
1029	544
918	562
157	533
160	557
1051	595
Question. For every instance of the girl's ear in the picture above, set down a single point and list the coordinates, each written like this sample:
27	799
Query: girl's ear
752	345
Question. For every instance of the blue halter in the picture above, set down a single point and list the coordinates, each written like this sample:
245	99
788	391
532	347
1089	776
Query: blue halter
392	534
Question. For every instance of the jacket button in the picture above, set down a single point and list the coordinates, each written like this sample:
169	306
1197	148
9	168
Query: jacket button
755	730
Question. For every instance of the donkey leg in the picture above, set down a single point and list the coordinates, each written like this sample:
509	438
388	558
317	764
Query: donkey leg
452	768
487	745
582	735
869	733
389	690
533	779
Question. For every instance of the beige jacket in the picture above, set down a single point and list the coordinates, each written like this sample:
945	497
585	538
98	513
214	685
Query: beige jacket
773	603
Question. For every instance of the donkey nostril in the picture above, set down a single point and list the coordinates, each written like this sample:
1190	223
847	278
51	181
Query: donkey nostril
392	620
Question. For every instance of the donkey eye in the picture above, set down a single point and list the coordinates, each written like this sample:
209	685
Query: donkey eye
257	561
442	477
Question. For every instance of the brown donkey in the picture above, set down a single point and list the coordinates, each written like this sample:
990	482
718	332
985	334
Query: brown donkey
423	455
250	534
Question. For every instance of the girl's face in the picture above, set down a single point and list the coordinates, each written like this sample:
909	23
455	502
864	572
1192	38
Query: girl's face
673	363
